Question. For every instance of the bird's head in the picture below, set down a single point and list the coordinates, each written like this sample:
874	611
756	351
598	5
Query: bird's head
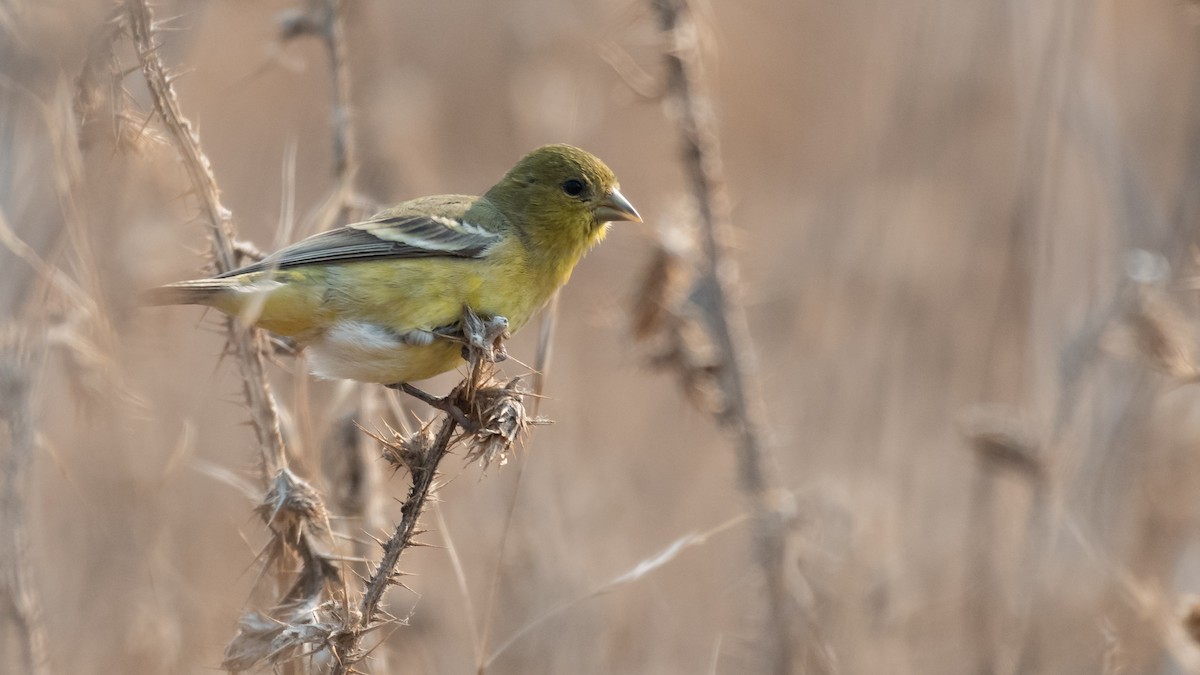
559	194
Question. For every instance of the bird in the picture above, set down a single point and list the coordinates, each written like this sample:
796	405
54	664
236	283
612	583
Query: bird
374	301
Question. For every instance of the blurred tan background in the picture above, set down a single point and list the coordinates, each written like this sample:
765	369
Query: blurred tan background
936	207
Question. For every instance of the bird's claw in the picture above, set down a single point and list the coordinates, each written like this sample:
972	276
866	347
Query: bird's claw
484	337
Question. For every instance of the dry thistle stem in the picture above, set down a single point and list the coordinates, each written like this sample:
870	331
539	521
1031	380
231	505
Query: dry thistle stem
292	504
497	418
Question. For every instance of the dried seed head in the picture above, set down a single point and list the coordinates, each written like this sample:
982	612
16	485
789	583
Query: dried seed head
292	503
502	420
294	632
669	313
404	451
252	644
690	352
663	287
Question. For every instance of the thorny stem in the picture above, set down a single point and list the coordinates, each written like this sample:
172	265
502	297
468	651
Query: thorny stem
424	474
414	505
742	410
345	159
263	413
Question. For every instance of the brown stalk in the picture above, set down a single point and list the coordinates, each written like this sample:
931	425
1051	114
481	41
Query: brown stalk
291	508
263	414
420	454
741	410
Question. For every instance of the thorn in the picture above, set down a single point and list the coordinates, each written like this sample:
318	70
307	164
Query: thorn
145	123
186	193
175	76
158	24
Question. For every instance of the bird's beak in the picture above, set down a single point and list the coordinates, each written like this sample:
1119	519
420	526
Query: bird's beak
615	207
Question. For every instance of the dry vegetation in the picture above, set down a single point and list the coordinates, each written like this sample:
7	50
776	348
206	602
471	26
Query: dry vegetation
966	438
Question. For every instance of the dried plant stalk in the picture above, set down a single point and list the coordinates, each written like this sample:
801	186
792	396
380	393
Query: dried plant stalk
18	597
714	293
246	347
291	508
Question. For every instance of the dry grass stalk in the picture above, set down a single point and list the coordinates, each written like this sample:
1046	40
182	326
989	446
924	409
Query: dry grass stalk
633	574
715	294
18	598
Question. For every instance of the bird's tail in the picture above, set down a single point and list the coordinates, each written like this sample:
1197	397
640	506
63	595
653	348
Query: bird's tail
198	292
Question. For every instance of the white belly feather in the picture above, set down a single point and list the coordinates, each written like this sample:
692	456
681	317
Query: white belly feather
368	352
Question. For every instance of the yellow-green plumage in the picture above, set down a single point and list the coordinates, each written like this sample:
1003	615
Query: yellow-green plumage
364	299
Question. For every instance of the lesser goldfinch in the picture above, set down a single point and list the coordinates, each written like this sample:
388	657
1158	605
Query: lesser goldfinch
367	301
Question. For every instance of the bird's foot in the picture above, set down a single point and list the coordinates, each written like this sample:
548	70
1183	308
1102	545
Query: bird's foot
442	403
484	337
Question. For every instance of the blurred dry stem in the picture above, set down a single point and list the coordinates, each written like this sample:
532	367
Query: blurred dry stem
20	362
323	19
715	294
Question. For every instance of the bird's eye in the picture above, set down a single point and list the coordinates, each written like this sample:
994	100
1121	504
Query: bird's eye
573	187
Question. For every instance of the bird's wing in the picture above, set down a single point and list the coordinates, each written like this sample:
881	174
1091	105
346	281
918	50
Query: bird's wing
427	228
